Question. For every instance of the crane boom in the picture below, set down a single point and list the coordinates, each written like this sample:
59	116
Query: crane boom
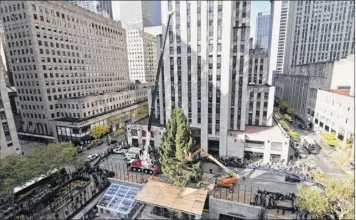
145	157
227	170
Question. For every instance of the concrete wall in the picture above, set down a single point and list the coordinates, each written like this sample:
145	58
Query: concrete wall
343	73
218	206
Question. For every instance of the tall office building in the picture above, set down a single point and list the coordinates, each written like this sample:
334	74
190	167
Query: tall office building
319	31
277	37
210	72
136	14
70	68
141	49
103	7
9	142
263	29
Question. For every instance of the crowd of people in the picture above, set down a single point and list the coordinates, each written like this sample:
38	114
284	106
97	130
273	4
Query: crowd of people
271	200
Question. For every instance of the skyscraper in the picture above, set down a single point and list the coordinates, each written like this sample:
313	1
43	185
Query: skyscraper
213	74
319	31
9	142
136	14
277	37
141	49
70	69
263	29
103	7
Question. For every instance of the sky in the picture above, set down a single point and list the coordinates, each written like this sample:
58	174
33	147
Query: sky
156	11
256	7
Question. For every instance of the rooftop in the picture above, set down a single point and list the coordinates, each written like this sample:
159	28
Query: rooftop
144	122
188	200
77	120
261	131
338	91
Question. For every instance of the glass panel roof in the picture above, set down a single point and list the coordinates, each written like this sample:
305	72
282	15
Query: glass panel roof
118	198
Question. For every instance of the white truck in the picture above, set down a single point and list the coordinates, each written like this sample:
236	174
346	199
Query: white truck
133	153
309	144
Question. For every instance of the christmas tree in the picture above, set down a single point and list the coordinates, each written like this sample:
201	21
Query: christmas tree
176	144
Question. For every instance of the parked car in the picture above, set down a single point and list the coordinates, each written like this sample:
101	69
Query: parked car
302	154
112	141
294	145
314	150
80	149
292	178
120	151
93	157
301	126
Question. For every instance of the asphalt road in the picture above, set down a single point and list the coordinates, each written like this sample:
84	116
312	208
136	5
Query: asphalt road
102	148
321	159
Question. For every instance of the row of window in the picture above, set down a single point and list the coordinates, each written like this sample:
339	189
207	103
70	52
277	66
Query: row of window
79	21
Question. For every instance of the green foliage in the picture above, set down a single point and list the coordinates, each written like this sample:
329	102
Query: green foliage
283	106
98	131
339	194
283	124
350	141
291	111
294	135
313	200
287	117
16	170
60	154
335	143
176	143
331	140
329	136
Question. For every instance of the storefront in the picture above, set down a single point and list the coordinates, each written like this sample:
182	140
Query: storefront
77	131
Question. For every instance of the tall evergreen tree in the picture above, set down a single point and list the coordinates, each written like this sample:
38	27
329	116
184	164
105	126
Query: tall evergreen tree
176	143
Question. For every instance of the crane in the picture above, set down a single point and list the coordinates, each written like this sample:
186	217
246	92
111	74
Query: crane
225	182
147	163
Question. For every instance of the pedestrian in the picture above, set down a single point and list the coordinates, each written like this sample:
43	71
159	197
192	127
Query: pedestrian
56	216
243	178
66	212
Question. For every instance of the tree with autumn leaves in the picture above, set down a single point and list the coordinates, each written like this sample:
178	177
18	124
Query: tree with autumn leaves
98	131
337	196
176	143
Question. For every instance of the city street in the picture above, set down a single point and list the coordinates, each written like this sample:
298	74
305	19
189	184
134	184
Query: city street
321	159
101	148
